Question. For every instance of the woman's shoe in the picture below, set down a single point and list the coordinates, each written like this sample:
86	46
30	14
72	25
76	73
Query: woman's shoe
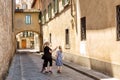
46	72
51	72
42	70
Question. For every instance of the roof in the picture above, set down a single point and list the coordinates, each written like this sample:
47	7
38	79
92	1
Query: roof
26	10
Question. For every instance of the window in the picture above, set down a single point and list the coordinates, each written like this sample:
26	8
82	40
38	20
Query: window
24	6
43	18
67	36
65	2
118	22
50	11
31	34
56	6
44	15
40	16
50	37
25	34
83	28
28	19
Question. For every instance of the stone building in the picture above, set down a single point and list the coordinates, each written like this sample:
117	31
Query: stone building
27	21
7	38
23	4
88	30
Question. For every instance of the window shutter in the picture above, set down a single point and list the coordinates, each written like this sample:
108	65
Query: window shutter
118	22
63	2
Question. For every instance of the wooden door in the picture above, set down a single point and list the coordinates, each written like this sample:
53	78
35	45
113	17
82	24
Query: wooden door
24	43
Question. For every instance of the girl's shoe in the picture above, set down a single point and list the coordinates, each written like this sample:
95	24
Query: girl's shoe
58	71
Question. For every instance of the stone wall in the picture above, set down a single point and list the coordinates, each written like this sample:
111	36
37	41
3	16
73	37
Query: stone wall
6	37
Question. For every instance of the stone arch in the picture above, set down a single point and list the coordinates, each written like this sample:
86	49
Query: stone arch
27	30
16	32
40	39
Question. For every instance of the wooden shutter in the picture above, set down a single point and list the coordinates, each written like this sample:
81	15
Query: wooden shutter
118	22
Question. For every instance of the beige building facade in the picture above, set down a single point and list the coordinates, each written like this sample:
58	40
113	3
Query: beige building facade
28	21
88	32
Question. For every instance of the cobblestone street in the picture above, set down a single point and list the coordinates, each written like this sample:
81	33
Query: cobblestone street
27	66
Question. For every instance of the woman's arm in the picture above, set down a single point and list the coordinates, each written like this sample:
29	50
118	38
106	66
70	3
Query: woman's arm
51	51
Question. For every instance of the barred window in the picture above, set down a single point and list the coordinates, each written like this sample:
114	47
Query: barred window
83	28
67	36
118	22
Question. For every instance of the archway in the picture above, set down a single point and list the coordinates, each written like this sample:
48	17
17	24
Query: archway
28	40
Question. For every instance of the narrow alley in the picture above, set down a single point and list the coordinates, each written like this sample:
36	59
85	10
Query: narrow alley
87	33
27	66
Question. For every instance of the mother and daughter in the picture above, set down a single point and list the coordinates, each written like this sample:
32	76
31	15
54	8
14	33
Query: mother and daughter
47	57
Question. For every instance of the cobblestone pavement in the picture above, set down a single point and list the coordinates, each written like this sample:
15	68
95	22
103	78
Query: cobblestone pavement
27	66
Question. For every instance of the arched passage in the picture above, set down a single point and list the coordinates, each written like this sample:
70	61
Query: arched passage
29	40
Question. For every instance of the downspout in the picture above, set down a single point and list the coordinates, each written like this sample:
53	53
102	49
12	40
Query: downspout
78	16
78	26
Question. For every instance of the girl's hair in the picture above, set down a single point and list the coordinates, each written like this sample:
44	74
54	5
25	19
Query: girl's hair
60	48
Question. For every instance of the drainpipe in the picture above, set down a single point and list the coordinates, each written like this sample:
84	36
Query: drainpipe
78	17
82	44
78	26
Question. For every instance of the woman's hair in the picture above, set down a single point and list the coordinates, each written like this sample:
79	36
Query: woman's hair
46	44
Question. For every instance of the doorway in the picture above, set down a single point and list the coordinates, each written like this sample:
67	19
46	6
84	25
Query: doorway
24	43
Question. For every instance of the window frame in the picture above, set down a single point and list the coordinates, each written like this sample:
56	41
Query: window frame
28	19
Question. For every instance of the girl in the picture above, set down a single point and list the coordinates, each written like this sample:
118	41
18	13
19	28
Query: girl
59	57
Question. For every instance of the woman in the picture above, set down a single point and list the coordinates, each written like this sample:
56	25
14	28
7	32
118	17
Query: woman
47	58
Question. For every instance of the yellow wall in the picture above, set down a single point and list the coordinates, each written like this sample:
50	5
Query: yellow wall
20	24
102	47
